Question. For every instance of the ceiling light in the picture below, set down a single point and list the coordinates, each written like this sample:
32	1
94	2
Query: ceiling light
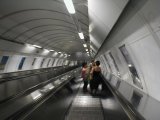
88	52
51	50
46	49
129	65
81	35
69	55
55	53
59	52
86	49
70	6
29	47
85	45
37	46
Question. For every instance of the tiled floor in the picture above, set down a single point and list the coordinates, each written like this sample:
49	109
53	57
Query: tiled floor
85	107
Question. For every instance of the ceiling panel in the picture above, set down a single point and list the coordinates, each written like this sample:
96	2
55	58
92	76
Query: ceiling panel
44	22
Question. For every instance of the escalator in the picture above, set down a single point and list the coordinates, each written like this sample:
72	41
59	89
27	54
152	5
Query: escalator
79	106
57	106
29	94
85	107
62	98
102	106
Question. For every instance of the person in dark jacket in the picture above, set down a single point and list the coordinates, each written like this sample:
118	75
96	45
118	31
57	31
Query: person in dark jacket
96	71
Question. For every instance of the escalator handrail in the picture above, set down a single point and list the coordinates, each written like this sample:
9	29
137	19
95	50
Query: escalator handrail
32	88
11	74
131	112
35	104
24	76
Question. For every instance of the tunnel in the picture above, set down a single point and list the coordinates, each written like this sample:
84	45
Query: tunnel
79	60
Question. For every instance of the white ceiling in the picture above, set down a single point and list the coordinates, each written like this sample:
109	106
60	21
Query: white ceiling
44	22
47	22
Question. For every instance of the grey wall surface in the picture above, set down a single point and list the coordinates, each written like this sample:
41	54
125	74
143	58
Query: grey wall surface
139	30
16	51
103	14
12	47
14	61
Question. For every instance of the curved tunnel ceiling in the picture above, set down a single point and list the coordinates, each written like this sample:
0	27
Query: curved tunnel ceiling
44	22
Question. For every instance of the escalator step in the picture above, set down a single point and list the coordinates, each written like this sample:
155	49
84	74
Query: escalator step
85	107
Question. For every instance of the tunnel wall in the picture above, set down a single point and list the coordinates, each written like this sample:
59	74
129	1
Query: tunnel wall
13	62
15	52
138	28
103	14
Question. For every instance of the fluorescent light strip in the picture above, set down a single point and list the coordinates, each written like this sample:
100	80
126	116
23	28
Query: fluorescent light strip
81	35
37	96
51	50
51	87
129	65
85	45
55	53
37	46
70	6
46	49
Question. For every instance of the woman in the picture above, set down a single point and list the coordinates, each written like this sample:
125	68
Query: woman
92	65
84	76
96	71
